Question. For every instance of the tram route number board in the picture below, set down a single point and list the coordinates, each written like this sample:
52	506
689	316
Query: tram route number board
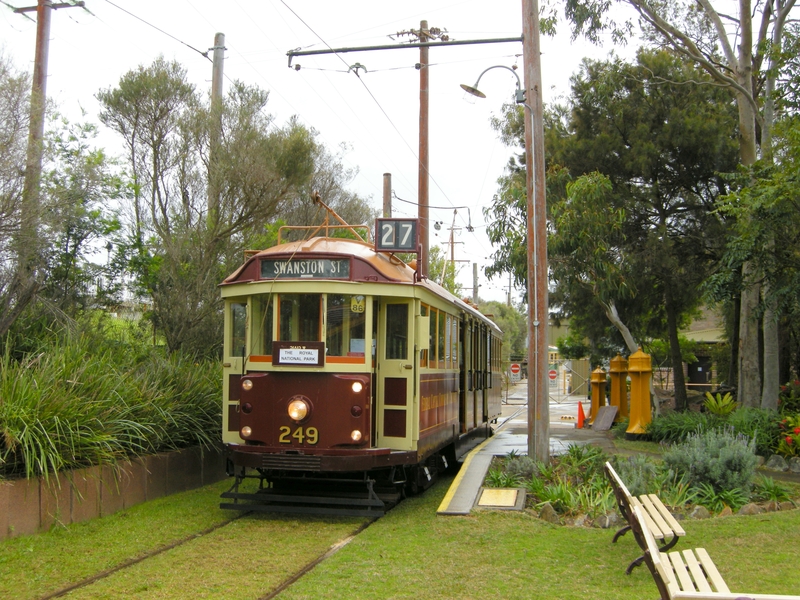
397	235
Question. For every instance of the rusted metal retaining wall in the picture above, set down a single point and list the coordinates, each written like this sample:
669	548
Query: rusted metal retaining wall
29	506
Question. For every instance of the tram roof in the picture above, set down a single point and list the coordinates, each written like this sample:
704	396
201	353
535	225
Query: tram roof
388	267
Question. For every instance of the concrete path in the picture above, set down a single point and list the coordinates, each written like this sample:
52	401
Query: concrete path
511	435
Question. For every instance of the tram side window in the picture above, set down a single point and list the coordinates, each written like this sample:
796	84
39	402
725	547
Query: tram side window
454	343
441	336
432	352
300	317
346	325
423	353
263	318
238	328
447	346
397	331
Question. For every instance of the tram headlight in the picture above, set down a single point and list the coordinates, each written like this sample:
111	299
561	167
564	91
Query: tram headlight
247	385
357	387
246	431
298	409
355	435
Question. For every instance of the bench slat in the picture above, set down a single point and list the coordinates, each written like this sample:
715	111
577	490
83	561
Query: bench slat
697	572
655	516
651	525
672	522
711	571
679	568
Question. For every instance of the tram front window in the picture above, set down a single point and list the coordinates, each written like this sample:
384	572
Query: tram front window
300	317
345	325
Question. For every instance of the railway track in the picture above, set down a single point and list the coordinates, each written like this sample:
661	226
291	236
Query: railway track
163	570
175	547
134	561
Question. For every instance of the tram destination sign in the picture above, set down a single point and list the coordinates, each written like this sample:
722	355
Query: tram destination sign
298	354
305	268
397	235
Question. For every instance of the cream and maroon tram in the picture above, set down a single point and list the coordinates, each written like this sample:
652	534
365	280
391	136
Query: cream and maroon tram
348	379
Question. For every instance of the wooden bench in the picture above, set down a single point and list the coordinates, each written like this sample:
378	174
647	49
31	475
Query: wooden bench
660	522
687	574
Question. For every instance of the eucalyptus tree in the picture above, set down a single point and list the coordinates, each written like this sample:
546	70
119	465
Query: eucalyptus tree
177	248
767	212
634	171
731	42
16	291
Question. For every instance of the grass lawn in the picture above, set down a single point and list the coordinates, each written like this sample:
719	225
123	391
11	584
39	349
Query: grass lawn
409	553
412	553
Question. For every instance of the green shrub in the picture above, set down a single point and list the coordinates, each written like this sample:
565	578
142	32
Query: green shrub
717	457
523	466
79	402
675	426
561	495
638	472
673	489
498	478
766	489
715	500
619	429
789	397
759	424
719	405
789	437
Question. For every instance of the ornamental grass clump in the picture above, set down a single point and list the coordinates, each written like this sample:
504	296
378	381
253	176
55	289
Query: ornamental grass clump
76	402
718	458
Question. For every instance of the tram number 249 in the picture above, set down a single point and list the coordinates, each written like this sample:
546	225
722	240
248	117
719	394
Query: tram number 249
307	435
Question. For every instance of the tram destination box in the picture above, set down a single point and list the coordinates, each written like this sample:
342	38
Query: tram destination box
298	354
397	235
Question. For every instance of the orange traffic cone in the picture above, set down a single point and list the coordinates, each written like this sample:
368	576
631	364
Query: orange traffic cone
581	416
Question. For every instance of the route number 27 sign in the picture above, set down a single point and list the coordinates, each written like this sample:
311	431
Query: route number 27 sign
397	235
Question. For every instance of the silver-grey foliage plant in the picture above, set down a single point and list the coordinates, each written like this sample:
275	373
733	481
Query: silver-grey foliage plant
717	457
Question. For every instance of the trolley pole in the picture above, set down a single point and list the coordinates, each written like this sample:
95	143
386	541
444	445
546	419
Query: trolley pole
538	407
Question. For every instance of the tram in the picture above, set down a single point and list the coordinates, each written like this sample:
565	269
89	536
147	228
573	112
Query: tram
348	379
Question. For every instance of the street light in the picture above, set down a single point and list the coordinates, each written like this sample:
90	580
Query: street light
473	89
538	396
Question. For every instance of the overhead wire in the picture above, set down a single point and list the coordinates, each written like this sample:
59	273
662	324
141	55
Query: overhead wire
203	54
366	87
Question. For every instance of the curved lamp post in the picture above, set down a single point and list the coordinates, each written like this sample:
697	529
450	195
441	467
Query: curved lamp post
538	396
473	89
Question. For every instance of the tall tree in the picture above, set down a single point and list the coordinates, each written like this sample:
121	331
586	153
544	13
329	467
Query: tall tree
636	230
733	57
16	289
178	250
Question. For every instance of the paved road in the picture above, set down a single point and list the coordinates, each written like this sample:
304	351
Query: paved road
512	430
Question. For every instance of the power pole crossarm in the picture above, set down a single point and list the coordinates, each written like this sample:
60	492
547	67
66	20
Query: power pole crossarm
421	44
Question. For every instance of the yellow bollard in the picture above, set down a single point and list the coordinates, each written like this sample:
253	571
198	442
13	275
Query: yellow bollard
598	380
639	369
618	372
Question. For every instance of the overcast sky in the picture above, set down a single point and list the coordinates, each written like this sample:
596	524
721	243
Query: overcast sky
375	112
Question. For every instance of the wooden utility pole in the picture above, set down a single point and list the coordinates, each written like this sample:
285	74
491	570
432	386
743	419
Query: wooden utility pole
387	195
538	399
215	135
422	196
28	243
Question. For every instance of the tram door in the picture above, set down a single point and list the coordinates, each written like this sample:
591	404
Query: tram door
396	369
